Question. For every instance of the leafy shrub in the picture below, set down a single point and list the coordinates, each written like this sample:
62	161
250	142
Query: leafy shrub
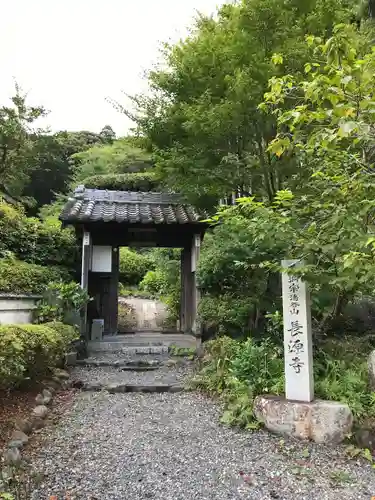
225	314
34	241
23	278
260	365
172	301
139	181
154	282
62	302
238	371
12	357
68	333
29	351
120	157
344	379
126	318
214	374
237	289
133	292
133	266
163	281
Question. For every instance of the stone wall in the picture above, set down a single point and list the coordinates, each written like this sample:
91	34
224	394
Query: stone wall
17	309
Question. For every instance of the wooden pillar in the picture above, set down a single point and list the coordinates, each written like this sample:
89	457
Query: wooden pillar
86	256
186	287
189	289
183	293
195	295
103	287
113	299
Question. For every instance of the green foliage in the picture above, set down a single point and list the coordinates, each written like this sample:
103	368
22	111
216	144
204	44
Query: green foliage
226	313
133	292
238	371
20	277
175	350
107	134
29	351
164	281
50	213
143	181
339	380
260	365
201	112
127	320
238	290
133	266
62	302
68	333
16	143
55	167
35	242
120	157
155	282
331	214
214	375
325	123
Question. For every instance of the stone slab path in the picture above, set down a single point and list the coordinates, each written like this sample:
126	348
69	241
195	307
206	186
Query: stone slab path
150	314
172	447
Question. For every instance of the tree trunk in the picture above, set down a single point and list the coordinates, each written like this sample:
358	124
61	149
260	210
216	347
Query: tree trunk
371	9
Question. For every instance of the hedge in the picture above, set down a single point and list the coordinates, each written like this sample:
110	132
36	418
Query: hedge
141	181
27	352
23	278
34	241
133	266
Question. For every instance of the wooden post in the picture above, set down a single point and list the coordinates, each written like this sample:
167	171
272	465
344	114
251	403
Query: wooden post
186	290
86	256
183	293
113	300
299	379
196	246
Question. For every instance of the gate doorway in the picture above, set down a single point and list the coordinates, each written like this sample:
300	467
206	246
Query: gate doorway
107	220
136	314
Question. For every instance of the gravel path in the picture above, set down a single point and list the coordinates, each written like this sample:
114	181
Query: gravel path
171	447
110	375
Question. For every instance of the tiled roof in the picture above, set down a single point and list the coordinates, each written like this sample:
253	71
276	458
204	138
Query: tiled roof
95	205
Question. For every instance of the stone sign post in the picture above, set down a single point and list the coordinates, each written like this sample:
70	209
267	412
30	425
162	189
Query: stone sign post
298	414
299	379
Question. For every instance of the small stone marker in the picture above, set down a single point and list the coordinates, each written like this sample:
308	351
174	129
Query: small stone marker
299	380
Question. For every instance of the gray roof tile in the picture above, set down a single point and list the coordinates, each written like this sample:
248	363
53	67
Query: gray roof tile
96	205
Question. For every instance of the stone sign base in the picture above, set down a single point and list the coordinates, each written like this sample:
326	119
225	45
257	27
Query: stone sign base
325	422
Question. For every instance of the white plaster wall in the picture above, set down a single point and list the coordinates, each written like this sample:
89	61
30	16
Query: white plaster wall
16	310
101	261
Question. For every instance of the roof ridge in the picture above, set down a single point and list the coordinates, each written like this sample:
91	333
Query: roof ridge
113	196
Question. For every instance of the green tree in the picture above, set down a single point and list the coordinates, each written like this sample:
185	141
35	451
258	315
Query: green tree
17	138
133	266
117	158
55	168
331	130
208	134
328	221
366	9
325	124
107	134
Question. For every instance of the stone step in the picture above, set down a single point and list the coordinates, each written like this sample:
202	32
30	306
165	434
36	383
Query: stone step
123	364
142	343
122	388
125	349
